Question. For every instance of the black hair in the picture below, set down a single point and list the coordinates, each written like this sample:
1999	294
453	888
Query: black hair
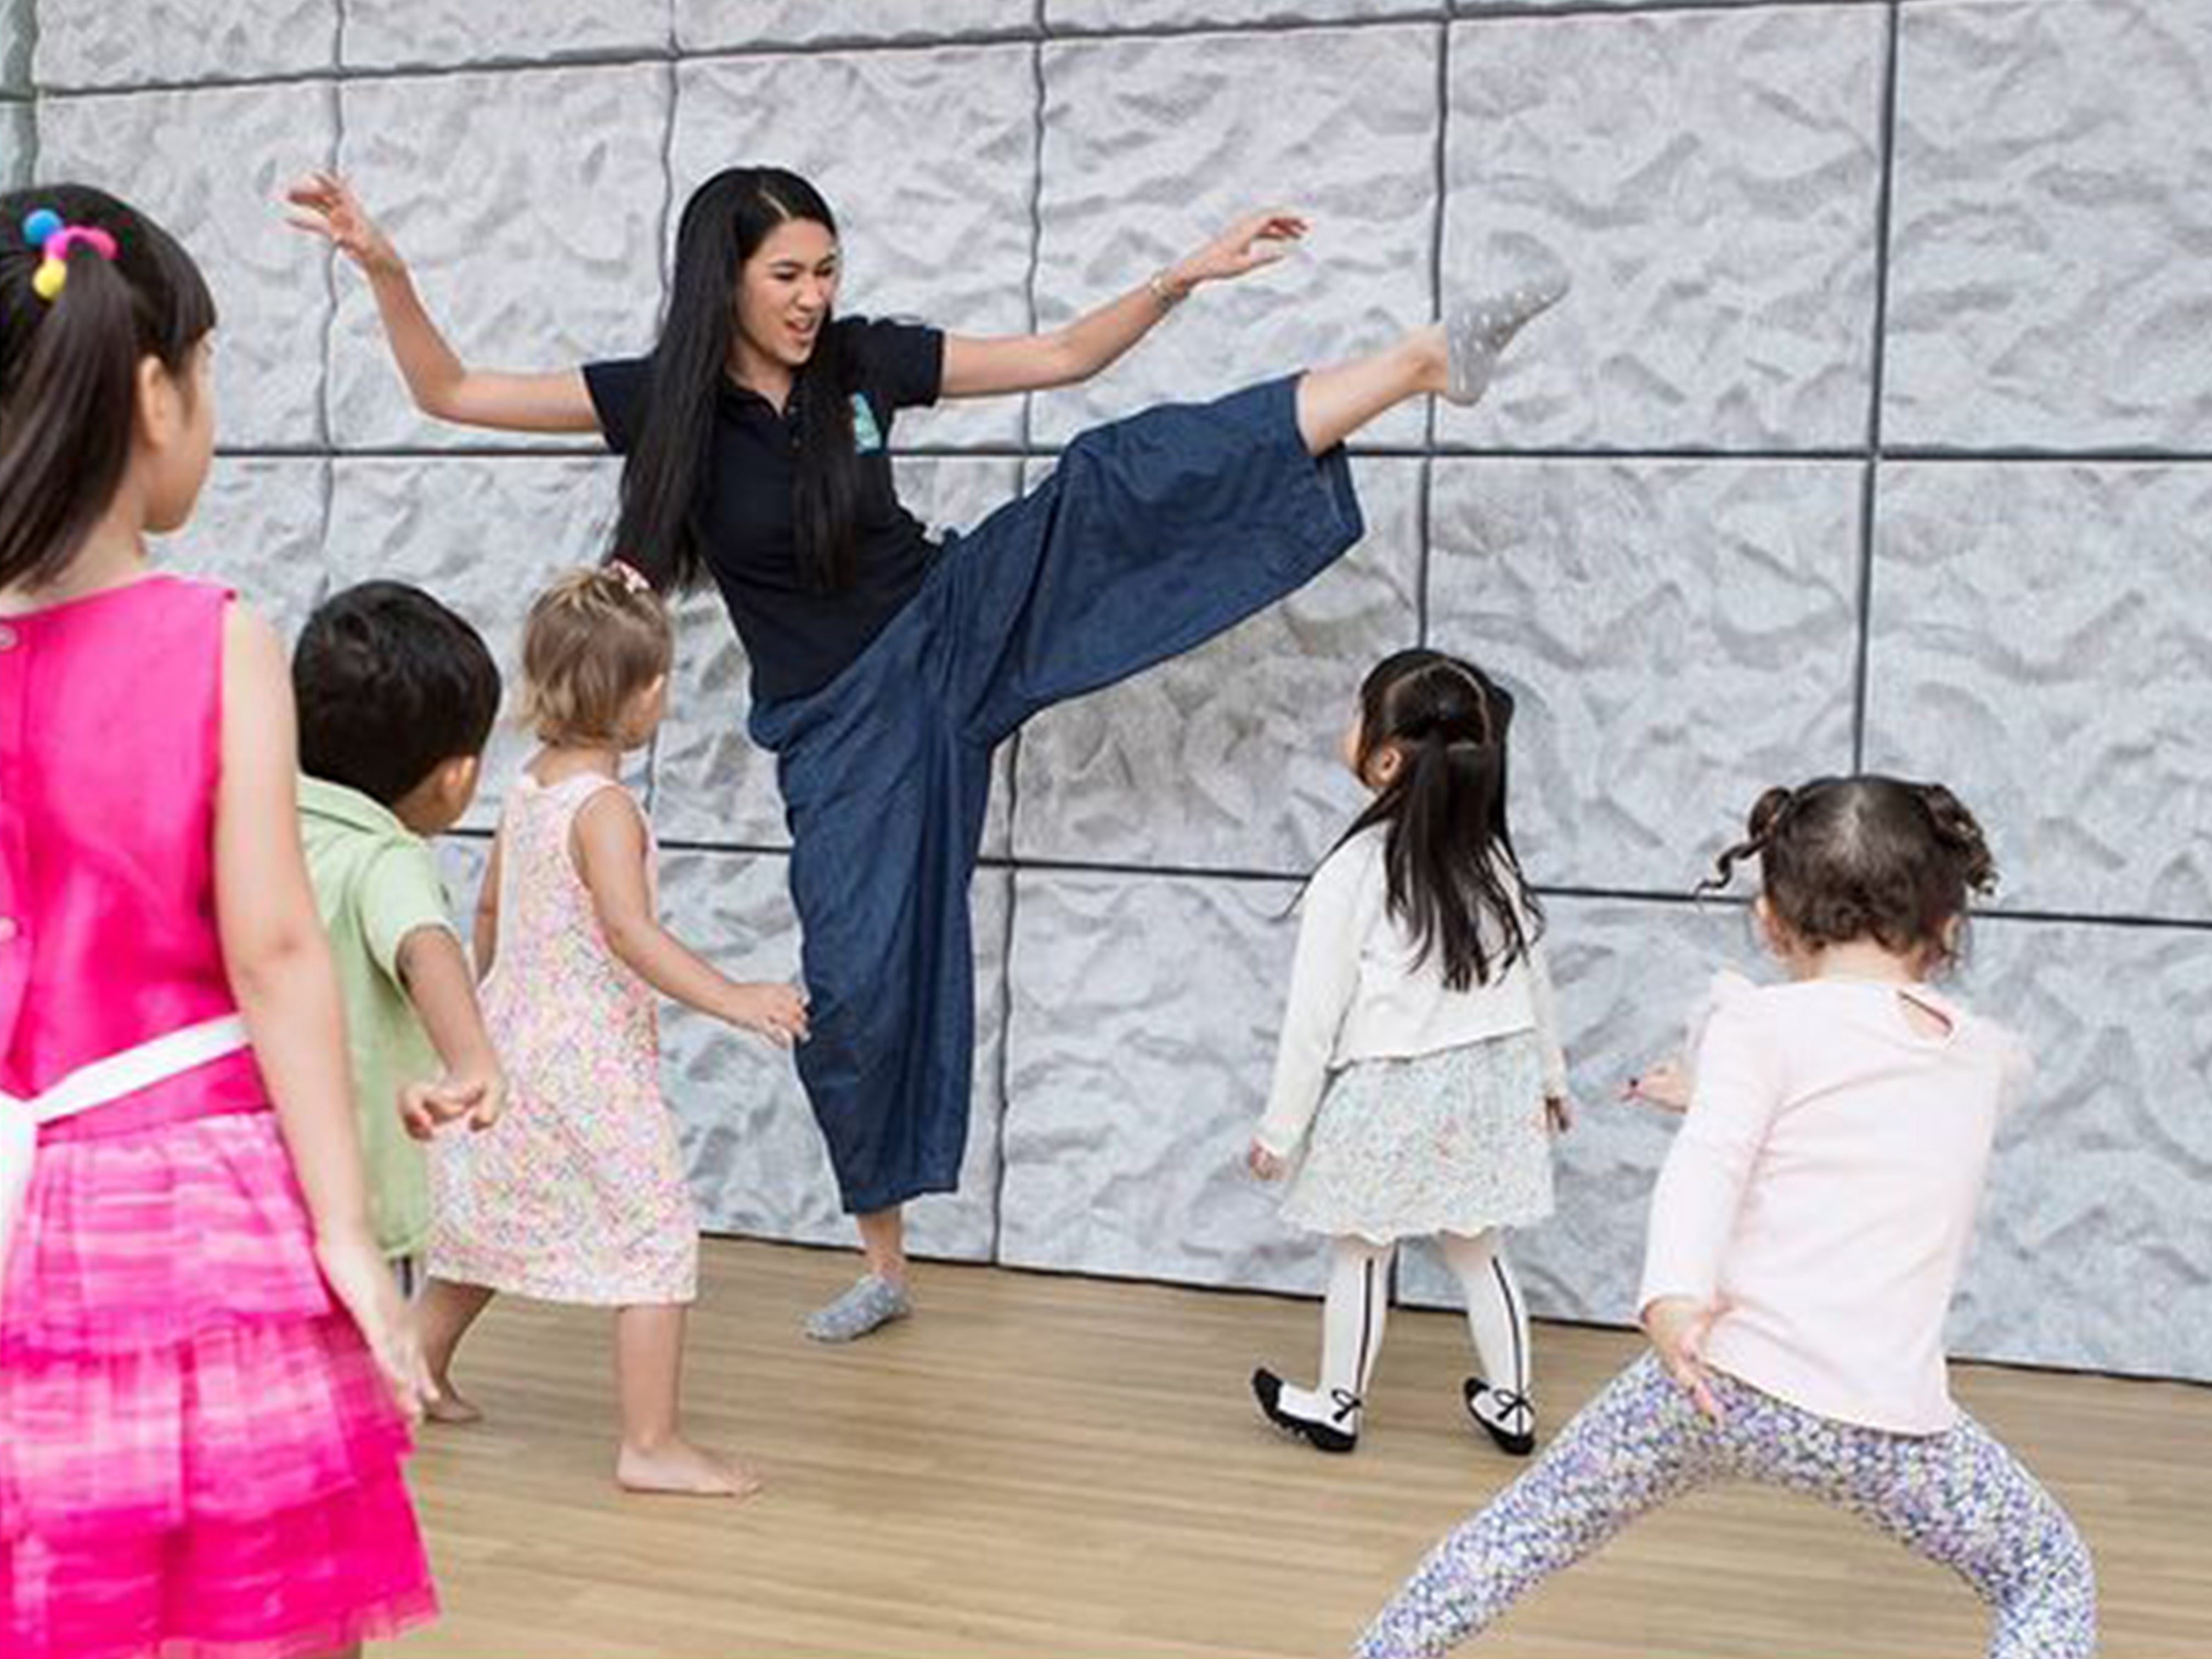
68	366
390	686
1453	877
1865	856
664	481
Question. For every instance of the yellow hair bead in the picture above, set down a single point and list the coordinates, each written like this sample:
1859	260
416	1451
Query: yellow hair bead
49	278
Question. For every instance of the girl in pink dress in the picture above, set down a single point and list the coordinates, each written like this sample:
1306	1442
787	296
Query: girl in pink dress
578	1193
205	1371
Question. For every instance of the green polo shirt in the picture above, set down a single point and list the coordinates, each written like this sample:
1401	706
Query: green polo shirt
376	882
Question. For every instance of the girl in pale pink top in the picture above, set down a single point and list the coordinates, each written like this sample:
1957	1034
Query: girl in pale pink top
1807	1234
205	1368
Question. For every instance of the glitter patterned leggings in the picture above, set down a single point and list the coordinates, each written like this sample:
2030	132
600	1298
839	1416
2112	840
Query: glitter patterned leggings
1959	1498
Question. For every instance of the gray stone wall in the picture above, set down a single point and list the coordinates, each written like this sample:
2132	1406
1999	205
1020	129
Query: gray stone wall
1878	430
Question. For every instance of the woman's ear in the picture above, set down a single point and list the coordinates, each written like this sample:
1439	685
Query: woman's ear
1383	765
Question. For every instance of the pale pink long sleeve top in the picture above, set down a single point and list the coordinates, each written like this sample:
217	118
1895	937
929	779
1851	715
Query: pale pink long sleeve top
1822	1191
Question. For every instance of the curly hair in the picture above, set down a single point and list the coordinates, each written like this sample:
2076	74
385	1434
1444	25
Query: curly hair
1865	858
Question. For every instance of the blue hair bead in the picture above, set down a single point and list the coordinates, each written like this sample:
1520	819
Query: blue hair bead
40	225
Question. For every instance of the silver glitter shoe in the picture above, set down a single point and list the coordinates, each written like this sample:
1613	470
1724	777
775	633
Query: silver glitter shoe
870	1302
1477	330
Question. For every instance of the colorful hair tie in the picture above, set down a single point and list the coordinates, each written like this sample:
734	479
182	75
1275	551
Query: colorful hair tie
46	230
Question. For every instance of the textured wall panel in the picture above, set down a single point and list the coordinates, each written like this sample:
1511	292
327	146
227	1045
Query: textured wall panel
1153	146
529	204
441	33
717	25
1140	1033
928	160
2042	642
711	782
483	536
758	1161
1681	635
209	165
2099	1182
1228	756
18	144
1093	15
2053	206
18	30
98	43
258	527
1710	178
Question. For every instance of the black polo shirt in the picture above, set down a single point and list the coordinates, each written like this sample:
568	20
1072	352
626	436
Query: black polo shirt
798	640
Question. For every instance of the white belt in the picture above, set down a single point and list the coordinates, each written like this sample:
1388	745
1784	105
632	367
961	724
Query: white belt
99	1083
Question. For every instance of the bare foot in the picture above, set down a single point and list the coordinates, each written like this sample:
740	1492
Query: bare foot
686	1470
448	1405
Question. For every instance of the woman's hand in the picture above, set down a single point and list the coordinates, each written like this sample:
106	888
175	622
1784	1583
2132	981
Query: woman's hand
325	206
1267	1166
365	1288
1677	1326
1257	239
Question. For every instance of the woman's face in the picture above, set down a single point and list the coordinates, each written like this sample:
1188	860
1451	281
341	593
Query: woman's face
786	291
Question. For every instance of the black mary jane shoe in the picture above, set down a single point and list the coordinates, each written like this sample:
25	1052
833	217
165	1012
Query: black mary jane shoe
1267	1389
1511	1408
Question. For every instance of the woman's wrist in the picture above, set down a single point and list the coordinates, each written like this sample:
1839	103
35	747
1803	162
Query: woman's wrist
1169	287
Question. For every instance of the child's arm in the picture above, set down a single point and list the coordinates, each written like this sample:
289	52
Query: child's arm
1558	1107
486	919
610	853
436	976
1700	1188
279	965
1324	974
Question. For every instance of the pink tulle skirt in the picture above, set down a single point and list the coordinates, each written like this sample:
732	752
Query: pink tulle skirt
197	1458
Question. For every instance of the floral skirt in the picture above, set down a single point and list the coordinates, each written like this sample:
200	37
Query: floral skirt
1455	1141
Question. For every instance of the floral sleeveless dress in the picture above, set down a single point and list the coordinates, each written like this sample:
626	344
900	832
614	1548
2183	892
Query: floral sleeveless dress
578	1192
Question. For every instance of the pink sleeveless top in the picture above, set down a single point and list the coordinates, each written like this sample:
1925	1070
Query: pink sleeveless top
111	713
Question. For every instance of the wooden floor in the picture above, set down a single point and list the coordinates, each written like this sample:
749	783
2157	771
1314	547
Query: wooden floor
1057	1468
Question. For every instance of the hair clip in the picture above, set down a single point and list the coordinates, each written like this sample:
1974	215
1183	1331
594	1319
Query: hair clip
46	230
632	577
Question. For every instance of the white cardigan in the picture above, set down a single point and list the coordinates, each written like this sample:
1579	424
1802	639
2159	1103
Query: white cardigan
1356	994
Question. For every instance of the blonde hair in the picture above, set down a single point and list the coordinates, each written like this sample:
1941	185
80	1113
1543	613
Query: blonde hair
596	638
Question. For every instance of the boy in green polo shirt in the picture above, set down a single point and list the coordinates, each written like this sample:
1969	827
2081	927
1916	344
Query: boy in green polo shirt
397	698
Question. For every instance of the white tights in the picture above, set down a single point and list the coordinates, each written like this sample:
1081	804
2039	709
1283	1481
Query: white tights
1358	1303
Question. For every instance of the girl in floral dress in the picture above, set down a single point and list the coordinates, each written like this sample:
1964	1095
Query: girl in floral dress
578	1193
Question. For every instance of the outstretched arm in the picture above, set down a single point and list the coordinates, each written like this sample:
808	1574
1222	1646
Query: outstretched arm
1024	362
441	384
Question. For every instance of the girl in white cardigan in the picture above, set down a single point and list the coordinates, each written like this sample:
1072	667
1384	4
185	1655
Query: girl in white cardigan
1420	1079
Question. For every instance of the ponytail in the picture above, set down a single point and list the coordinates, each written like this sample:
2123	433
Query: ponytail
69	365
1448	857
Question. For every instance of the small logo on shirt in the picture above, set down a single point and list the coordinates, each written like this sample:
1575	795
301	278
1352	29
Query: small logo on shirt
867	436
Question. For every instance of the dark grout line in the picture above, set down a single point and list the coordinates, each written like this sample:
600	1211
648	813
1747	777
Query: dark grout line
1877	367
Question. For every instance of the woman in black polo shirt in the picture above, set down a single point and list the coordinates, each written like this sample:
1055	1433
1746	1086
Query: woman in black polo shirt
886	668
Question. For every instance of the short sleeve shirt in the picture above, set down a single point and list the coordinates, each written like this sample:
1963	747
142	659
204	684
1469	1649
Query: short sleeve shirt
376	882
798	640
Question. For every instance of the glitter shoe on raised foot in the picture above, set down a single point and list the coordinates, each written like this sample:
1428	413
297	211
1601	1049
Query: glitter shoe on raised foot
1476	330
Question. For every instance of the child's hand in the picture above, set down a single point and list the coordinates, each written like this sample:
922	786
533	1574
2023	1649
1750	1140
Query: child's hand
1666	1085
1267	1166
418	1110
362	1282
427	1107
1559	1114
1677	1326
777	1012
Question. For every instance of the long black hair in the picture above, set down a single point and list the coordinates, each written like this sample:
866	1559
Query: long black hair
1866	857
661	530
69	367
1453	877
